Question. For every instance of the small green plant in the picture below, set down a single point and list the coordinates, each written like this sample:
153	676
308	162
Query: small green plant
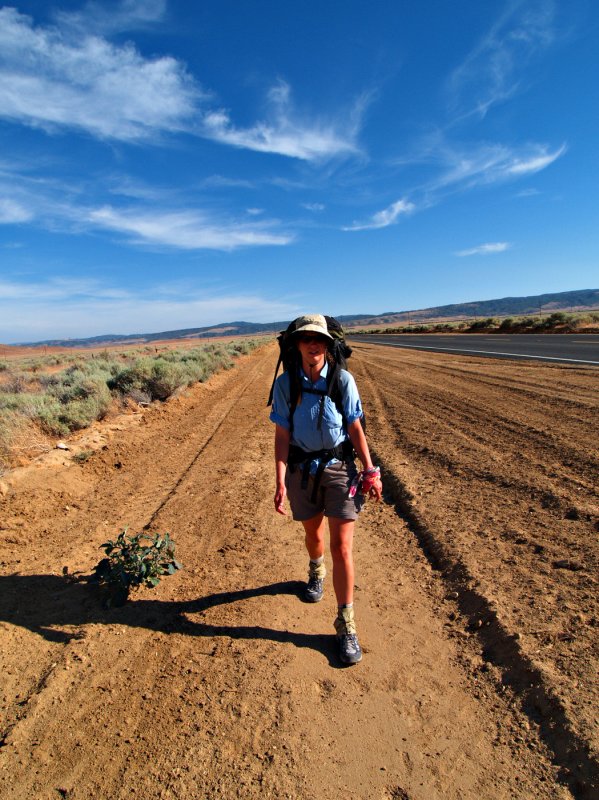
83	456
130	563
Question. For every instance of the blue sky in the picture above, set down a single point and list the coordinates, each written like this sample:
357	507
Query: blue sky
167	164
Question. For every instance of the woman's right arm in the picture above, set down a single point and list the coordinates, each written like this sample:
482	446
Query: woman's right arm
281	455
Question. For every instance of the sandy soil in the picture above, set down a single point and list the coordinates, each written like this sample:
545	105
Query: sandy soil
476	600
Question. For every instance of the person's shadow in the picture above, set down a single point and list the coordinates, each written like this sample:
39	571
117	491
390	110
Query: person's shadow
46	604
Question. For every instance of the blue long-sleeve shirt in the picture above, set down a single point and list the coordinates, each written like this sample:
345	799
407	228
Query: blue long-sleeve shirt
305	432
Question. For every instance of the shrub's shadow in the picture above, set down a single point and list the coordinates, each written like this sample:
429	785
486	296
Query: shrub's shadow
46	604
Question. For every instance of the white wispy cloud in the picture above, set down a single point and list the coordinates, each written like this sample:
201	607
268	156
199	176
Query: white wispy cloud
313	206
534	163
71	77
165	220
465	168
121	16
224	182
63	308
382	219
285	132
186	230
125	186
496	67
485	249
458	169
51	79
528	193
56	289
12	212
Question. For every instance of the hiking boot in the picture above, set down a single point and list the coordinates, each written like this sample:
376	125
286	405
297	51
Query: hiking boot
314	588
350	651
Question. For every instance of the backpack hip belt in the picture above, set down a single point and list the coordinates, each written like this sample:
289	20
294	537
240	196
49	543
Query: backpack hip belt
297	457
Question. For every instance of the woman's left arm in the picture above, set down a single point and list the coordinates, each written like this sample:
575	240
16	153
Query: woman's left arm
358	439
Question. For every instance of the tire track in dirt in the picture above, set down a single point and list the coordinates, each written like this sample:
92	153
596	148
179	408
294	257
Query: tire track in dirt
184	475
519	386
499	643
447	408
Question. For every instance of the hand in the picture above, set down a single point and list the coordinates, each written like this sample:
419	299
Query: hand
280	495
376	489
371	484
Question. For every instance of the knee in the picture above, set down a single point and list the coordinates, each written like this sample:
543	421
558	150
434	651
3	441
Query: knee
341	551
315	535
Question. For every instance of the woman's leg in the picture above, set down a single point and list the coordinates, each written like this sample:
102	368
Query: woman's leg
342	536
315	531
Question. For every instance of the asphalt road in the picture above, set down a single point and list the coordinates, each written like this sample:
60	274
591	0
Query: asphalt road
565	348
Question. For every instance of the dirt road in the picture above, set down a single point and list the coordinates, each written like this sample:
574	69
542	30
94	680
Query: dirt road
477	679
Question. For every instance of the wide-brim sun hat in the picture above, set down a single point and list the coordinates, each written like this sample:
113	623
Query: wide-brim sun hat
312	322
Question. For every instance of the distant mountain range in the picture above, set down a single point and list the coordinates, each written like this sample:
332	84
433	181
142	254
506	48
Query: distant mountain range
581	300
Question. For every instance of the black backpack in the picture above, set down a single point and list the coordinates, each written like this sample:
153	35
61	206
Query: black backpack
290	358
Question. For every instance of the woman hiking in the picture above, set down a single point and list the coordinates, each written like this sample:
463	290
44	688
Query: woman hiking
315	440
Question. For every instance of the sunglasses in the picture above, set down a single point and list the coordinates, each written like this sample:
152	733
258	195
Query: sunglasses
306	338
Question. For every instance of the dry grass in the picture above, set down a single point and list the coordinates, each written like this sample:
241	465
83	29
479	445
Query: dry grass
46	395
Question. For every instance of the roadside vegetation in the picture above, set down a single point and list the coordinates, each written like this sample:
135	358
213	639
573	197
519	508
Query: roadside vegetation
50	396
557	322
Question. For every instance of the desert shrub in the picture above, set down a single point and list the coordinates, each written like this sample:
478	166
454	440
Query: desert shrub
558	318
78	382
574	323
483	324
130	564
82	456
14	383
61	418
157	378
83	392
54	361
244	347
25	403
9	425
75	398
166	377
132	377
45	411
139	396
3	366
507	324
19	436
528	322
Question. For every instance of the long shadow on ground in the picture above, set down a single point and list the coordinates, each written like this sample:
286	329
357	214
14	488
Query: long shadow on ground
47	604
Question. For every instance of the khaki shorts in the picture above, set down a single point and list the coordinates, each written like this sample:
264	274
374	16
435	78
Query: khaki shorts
332	497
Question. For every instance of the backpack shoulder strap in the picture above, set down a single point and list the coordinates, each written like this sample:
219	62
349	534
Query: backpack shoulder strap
294	394
272	386
335	391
